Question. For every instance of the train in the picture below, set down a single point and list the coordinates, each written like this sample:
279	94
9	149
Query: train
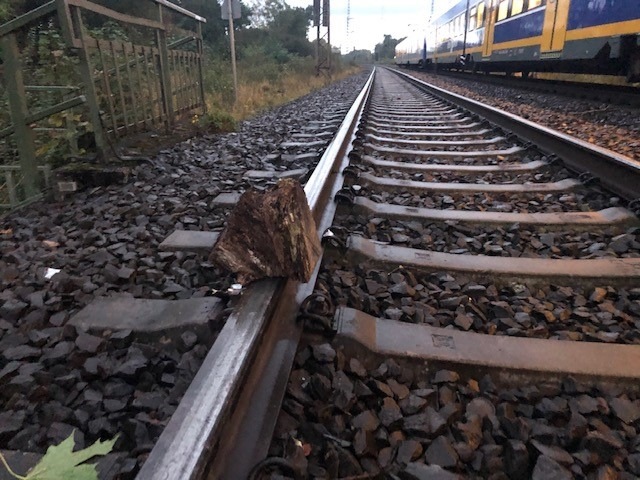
524	36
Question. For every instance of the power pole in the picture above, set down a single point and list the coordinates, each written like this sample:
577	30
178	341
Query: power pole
348	25
231	9
322	22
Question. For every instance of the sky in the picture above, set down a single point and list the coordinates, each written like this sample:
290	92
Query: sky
372	19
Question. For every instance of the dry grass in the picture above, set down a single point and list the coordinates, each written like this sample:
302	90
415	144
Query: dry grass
255	96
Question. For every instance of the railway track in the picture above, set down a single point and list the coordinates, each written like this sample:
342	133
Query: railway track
609	94
475	313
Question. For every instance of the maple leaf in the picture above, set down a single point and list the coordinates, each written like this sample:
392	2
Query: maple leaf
61	461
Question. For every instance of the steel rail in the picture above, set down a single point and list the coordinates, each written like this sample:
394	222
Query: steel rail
187	448
618	173
627	95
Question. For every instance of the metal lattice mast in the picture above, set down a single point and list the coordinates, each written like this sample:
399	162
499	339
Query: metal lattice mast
348	24
321	20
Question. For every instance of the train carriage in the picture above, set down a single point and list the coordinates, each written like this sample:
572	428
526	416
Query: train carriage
591	36
412	50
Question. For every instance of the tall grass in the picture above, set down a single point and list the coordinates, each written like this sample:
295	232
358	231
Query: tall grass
263	82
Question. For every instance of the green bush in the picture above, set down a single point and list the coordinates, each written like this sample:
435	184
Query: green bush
217	121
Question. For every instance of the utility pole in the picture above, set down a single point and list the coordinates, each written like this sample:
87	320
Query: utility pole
321	18
231	10
348	25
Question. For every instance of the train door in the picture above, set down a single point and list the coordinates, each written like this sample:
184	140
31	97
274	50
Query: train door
488	29
555	26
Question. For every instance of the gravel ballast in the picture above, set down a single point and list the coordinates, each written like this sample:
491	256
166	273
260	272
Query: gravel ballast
341	420
610	126
56	378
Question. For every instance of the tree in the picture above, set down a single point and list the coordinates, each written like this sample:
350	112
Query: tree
264	12
289	28
214	31
358	57
387	49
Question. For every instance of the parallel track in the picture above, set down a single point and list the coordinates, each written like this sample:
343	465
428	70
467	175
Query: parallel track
627	95
407	131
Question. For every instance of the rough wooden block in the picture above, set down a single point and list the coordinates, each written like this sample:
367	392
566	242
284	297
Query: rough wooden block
270	234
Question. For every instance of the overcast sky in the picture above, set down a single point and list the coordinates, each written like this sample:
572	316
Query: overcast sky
372	19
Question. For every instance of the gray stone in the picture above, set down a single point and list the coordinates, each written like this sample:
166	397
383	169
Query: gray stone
481	407
625	410
446	376
367	421
584	404
189	339
621	243
12	309
323	353
555	453
389	412
548	469
412	404
471	431
10	423
88	343
634	463
607	472
408	451
442	453
21	352
606	445
420	471
464	321
516	459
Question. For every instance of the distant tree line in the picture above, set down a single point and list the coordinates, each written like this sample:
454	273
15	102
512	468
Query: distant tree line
272	25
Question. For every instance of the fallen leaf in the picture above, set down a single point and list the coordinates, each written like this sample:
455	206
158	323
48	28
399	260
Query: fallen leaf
306	449
61	461
50	243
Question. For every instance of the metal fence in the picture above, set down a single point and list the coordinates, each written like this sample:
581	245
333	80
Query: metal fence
124	85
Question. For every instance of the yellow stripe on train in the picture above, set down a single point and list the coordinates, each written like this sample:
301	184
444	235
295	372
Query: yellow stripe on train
607	30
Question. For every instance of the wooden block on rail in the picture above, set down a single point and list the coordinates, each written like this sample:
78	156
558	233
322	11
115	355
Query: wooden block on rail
270	234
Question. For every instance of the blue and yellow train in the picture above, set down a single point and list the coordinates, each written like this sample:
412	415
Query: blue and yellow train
571	36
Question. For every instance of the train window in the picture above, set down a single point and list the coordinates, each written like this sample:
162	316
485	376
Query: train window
535	3
472	18
503	10
517	7
480	15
